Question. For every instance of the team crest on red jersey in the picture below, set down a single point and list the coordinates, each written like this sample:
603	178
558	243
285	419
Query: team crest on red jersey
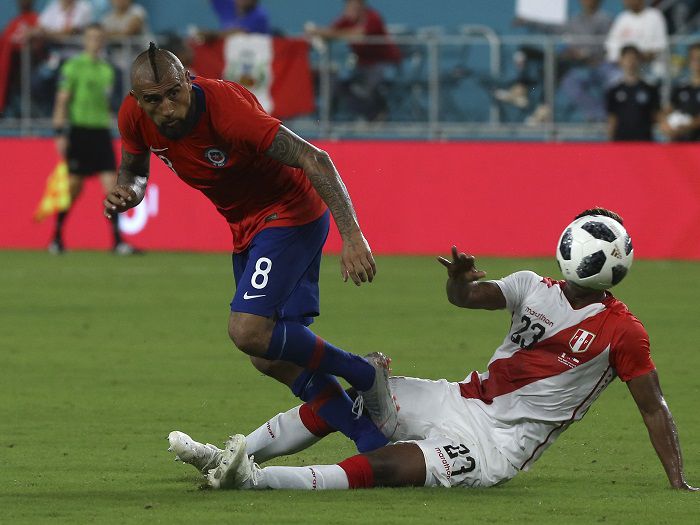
216	157
581	340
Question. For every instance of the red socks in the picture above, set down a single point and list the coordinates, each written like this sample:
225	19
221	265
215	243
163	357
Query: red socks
313	422
358	471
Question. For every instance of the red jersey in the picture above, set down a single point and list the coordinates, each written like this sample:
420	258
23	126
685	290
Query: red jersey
224	158
17	29
372	25
11	40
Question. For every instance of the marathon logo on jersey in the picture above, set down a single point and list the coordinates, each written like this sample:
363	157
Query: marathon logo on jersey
445	463
581	340
217	157
567	360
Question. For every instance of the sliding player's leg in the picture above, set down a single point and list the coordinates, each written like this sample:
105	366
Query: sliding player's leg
302	426
284	434
442	448
392	466
437	453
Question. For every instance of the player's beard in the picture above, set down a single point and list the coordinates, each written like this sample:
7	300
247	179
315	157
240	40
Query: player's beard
180	127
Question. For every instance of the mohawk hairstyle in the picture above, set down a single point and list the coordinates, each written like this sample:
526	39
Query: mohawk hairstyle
152	48
601	211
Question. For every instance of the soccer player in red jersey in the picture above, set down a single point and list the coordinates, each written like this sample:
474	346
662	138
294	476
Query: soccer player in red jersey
565	345
275	191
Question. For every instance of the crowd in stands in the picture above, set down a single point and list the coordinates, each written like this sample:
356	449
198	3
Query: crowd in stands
610	70
51	36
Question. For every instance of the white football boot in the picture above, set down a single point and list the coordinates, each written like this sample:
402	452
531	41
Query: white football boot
200	456
378	400
236	470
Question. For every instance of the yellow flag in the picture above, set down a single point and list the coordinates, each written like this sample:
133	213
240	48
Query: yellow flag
56	195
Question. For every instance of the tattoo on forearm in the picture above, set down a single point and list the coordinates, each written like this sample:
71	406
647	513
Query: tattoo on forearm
133	172
290	149
330	187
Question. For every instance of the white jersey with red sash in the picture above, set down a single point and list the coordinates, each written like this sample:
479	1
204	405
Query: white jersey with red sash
552	365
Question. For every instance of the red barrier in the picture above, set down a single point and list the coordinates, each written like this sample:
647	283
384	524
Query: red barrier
412	197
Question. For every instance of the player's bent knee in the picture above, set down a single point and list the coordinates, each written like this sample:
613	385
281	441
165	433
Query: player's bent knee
251	334
264	366
244	338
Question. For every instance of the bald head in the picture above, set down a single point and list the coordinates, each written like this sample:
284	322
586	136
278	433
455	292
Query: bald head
155	66
163	89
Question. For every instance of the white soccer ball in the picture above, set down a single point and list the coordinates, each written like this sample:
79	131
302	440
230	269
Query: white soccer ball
595	252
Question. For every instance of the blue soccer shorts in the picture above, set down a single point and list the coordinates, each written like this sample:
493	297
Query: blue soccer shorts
277	275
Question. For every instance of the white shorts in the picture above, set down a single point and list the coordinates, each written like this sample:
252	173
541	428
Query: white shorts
450	433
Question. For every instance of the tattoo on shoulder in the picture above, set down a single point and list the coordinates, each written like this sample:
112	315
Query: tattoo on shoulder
287	147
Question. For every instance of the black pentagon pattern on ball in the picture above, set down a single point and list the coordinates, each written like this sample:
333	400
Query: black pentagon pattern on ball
628	245
591	264
565	245
599	230
619	273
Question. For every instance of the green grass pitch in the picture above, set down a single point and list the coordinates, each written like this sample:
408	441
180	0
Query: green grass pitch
103	356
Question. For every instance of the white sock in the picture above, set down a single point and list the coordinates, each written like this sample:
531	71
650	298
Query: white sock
282	435
316	477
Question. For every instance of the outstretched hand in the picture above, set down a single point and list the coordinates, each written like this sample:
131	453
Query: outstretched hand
462	266
356	261
118	200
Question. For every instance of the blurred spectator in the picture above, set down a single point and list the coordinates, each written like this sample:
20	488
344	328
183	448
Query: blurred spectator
125	19
362	90
238	16
633	105
58	20
15	34
681	122
65	17
82	123
644	28
680	15
590	23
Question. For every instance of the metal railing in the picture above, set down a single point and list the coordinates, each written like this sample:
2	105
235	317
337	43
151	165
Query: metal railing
442	88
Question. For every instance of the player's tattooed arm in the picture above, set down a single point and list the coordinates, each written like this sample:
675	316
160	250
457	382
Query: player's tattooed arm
288	148
131	184
663	433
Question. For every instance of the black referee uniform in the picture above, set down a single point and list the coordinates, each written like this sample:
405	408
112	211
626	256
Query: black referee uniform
635	107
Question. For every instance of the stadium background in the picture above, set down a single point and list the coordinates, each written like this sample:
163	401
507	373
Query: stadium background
84	398
651	175
290	16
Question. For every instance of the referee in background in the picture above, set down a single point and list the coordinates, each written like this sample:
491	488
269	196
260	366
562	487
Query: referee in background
82	123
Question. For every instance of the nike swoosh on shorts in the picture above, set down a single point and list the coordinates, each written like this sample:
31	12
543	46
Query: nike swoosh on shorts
246	296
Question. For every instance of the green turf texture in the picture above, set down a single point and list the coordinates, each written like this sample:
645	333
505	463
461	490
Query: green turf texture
103	356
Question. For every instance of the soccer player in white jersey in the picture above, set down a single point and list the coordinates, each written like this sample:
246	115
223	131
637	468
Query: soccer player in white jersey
565	345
